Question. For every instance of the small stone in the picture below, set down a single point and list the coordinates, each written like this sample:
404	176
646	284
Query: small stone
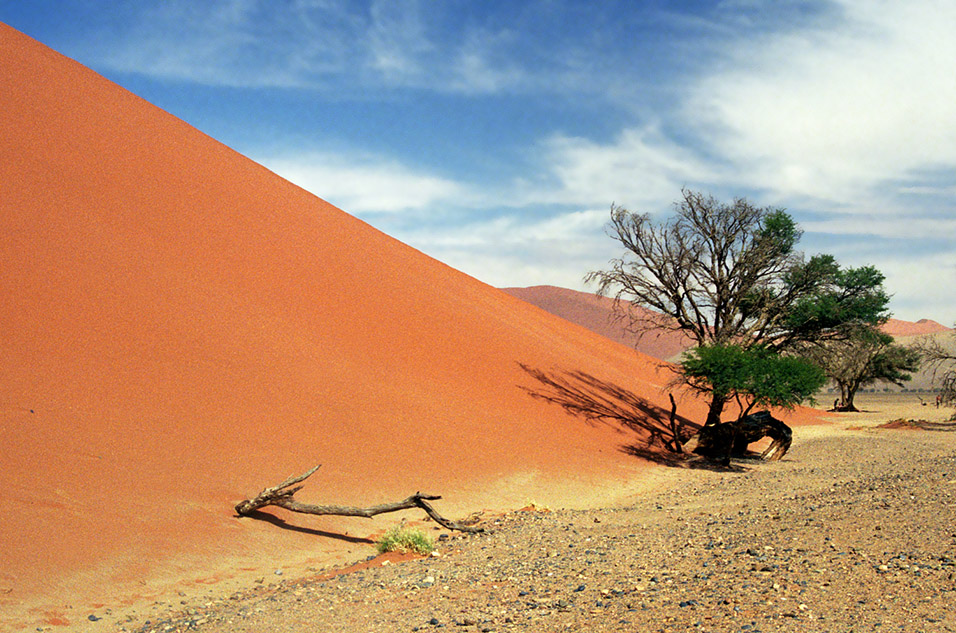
93	618
278	572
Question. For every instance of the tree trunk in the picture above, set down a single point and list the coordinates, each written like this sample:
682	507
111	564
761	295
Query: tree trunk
847	392
724	440
717	403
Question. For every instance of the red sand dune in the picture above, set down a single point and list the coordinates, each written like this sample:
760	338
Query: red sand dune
895	327
182	327
597	314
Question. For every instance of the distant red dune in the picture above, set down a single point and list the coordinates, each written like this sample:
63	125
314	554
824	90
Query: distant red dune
598	314
182	327
895	327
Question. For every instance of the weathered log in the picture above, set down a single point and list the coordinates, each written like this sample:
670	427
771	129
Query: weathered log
282	497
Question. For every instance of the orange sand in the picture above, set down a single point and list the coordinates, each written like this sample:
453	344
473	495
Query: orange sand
182	327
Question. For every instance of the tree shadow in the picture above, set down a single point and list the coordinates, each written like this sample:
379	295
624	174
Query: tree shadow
259	515
684	460
923	425
604	402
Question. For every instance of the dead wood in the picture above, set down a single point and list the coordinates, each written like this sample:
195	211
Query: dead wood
282	496
721	441
675	428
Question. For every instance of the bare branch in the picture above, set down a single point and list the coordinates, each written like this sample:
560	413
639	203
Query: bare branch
282	497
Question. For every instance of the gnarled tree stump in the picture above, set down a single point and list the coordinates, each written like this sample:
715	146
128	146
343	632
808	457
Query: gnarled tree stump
721	441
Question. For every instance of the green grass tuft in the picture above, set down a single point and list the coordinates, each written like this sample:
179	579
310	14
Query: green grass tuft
399	539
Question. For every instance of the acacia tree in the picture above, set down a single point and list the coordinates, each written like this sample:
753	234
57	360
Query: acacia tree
729	274
865	356
753	377
942	359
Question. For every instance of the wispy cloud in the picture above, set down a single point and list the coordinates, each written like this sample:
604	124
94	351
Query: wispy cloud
642	167
397	41
556	248
344	46
886	226
365	185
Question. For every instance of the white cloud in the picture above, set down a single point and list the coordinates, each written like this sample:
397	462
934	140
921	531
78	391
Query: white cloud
886	226
365	185
396	40
234	44
343	46
642	167
518	249
831	112
915	282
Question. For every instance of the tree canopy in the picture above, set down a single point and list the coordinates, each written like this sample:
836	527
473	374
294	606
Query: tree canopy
730	275
753	377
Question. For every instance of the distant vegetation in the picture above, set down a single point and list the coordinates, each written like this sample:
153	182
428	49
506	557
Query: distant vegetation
941	358
865	356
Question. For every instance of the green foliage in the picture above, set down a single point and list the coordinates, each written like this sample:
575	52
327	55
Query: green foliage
778	233
841	297
400	539
758	375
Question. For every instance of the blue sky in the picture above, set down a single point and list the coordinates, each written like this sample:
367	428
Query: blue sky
495	136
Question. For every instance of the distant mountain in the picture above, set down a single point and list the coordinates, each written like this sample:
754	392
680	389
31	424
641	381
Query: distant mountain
897	328
598	314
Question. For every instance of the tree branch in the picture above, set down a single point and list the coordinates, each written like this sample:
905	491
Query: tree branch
282	496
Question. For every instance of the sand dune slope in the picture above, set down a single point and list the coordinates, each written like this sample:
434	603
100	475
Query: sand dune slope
181	327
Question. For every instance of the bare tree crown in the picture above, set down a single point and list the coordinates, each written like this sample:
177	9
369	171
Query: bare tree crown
729	274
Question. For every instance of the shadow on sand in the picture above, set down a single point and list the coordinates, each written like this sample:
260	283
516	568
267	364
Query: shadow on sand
923	425
259	515
601	401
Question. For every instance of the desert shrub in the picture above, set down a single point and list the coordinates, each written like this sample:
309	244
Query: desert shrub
401	539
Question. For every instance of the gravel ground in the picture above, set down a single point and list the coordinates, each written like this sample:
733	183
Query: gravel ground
852	531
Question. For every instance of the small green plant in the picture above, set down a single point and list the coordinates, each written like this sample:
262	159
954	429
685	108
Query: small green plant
401	539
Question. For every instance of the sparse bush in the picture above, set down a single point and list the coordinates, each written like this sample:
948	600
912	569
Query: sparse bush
401	539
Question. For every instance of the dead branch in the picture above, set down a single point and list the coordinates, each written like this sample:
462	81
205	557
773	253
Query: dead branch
675	427
282	496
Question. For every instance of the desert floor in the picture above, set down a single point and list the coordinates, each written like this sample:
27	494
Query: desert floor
855	529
